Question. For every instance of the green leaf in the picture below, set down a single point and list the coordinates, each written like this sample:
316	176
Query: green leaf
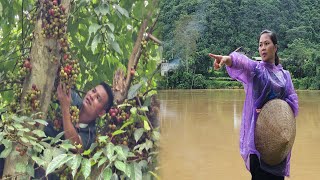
94	28
129	168
120	165
131	121
149	144
76	164
121	10
133	91
11	128
1	9
67	146
21	167
103	139
114	176
104	9
1	136
102	160
86	168
23	130
146	125
97	155
143	164
93	145
7	150
138	133
107	173
111	26
147	102
45	144
155	135
36	146
57	151
47	155
87	152
19	119
136	171
39	133
120	153
117	132
110	150
133	110
39	161
138	146
116	47
57	162
144	109
110	37
30	170
40	121
96	40
25	140
57	138
17	126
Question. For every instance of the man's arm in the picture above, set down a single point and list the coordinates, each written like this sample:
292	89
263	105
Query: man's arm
65	102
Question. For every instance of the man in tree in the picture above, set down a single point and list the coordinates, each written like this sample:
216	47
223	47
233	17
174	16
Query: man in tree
96	103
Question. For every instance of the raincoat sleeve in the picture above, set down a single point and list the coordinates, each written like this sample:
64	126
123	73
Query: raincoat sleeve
242	68
291	96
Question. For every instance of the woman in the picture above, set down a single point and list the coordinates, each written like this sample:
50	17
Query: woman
262	81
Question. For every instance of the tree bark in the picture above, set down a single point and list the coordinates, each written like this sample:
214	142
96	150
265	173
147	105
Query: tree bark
43	75
122	82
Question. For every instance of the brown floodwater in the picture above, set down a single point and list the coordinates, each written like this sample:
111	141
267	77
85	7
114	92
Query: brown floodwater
200	135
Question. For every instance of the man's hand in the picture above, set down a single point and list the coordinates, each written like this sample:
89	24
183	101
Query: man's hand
220	60
64	95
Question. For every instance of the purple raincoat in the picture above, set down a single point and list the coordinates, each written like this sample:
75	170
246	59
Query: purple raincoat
262	82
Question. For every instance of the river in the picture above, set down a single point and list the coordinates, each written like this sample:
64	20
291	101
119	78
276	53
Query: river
200	135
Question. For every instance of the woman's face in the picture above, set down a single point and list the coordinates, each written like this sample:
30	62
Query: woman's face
267	49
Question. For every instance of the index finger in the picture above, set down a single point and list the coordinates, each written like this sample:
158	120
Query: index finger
214	56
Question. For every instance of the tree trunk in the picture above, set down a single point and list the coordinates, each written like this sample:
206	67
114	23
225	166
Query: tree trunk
45	61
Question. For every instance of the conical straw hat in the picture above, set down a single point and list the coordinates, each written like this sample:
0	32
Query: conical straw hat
275	131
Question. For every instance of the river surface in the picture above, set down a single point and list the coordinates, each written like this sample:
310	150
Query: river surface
200	135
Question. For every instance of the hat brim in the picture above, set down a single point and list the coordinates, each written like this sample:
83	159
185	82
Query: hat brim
275	131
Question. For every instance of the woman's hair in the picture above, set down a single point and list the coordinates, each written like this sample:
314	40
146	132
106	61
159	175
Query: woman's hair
274	40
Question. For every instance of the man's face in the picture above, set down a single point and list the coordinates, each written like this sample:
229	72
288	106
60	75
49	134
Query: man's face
94	102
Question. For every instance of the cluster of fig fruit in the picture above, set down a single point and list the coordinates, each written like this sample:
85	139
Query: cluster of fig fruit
145	54
25	68
32	99
54	19
144	43
69	70
116	118
74	112
22	150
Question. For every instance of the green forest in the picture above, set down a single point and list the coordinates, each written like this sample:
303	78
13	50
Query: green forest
191	29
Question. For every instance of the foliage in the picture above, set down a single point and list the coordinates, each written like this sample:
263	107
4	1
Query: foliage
101	35
55	155
181	79
223	26
222	84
